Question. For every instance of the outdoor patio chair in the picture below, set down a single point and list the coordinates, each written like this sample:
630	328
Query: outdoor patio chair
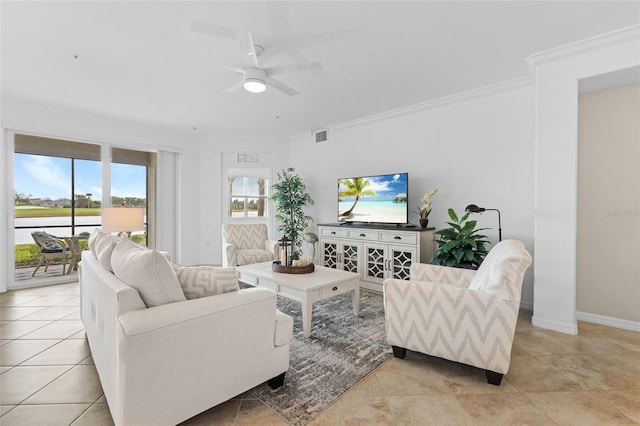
53	251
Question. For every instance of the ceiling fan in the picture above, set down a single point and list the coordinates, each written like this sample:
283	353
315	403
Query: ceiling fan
254	77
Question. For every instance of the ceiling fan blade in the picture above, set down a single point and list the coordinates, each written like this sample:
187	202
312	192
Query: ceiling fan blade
228	68
214	30
291	68
280	86
234	87
252	56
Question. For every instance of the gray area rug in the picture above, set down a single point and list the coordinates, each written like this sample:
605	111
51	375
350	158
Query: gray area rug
340	352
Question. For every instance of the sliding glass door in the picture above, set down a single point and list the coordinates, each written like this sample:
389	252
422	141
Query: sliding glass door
58	189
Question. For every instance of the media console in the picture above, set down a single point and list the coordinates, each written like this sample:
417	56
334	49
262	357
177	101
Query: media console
375	252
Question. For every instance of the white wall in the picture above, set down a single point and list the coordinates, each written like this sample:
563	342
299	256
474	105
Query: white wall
608	229
557	74
208	232
75	125
475	148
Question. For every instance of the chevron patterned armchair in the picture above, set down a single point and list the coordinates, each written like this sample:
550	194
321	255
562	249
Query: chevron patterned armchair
243	244
459	314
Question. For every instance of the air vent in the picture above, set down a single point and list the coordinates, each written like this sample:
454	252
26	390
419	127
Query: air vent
247	158
321	135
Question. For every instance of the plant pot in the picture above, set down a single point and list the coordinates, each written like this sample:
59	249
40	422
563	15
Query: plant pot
424	223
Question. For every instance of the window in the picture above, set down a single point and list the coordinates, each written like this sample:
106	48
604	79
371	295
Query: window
248	196
246	186
59	189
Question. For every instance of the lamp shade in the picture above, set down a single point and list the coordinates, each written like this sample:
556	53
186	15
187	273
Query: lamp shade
122	219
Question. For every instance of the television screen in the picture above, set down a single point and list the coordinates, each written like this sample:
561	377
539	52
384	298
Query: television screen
374	199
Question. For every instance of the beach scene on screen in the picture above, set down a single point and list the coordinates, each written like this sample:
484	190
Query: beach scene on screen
380	199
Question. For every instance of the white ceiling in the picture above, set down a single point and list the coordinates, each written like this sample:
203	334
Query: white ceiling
140	60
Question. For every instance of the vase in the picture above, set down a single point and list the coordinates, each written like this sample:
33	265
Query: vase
424	223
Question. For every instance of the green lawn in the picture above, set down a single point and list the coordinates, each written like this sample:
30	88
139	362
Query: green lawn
27	254
54	212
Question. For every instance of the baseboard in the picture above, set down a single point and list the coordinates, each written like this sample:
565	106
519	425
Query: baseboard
609	321
562	327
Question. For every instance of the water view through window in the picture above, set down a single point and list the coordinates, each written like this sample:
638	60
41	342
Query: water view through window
63	197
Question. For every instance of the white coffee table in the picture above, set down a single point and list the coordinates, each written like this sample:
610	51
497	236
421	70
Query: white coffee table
307	289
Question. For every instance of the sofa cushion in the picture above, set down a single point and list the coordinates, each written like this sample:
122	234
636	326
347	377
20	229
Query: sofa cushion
103	248
249	256
148	271
202	281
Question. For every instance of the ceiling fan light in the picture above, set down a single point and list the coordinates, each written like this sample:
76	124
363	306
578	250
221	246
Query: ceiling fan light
254	85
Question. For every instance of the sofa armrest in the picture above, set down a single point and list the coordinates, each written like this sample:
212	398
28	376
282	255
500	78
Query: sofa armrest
458	277
182	358
201	309
229	255
459	324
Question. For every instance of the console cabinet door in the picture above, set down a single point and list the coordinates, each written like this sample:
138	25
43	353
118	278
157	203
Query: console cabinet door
330	253
351	256
337	254
375	262
401	258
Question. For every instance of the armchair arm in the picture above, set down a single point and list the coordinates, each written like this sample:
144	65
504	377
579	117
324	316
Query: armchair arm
59	242
455	323
273	247
229	255
442	274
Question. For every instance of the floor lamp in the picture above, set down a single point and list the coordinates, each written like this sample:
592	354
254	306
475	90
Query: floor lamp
473	208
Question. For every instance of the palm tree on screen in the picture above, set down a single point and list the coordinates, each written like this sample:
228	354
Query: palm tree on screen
355	187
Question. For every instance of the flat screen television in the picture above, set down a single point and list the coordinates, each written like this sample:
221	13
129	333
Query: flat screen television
374	199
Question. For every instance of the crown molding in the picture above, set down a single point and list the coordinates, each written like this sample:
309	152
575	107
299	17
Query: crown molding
596	42
435	103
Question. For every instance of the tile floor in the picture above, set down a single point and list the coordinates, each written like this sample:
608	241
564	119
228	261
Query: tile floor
48	377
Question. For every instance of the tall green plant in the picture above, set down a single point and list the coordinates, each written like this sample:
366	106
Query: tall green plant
290	196
460	245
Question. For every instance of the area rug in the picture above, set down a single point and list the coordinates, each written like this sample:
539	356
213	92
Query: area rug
341	351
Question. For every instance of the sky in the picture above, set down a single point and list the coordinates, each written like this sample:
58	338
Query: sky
385	186
50	177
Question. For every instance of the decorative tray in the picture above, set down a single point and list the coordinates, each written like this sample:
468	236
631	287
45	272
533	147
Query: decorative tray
278	267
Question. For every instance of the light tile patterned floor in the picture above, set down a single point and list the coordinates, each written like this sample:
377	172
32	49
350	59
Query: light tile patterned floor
47	376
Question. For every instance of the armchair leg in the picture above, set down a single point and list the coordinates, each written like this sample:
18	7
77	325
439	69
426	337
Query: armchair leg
399	352
277	381
493	377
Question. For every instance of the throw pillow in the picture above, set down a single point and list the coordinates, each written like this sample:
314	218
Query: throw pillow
93	238
104	246
148	271
202	281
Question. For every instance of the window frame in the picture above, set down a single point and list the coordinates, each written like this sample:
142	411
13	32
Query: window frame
250	173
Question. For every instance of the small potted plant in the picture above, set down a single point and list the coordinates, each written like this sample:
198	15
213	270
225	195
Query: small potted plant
290	196
460	245
425	208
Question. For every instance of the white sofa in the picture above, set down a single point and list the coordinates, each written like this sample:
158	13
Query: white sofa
459	314
163	364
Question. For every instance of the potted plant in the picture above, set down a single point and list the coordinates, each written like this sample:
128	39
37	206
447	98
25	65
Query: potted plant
290	196
460	245
425	208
